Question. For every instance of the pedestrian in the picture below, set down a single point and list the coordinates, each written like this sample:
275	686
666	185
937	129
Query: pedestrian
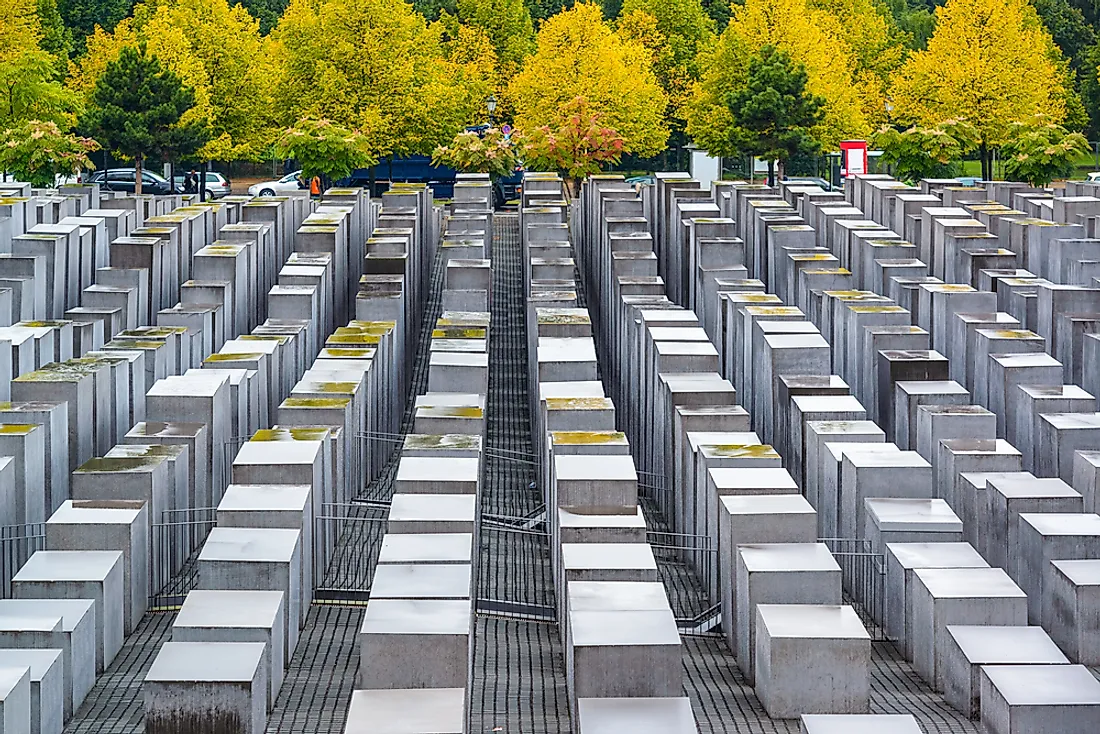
315	187
191	182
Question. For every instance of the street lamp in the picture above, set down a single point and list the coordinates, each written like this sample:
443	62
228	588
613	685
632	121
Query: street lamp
491	105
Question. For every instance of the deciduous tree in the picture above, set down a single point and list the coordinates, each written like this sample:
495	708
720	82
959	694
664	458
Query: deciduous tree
266	12
57	39
39	152
1040	150
324	149
28	74
914	18
433	10
543	9
82	17
674	31
138	110
508	25
719	11
810	36
1089	87
579	55
489	152
925	152
576	143
1068	28
878	49
376	65
990	62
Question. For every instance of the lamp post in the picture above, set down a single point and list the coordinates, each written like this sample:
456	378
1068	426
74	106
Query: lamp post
888	104
491	105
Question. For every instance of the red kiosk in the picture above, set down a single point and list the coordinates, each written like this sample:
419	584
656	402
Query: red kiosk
853	157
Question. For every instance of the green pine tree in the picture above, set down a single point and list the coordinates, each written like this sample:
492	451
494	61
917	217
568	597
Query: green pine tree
773	111
136	108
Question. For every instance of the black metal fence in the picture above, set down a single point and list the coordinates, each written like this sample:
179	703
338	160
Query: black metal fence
686	562
177	539
863	574
343	551
17	544
347	537
697	550
229	453
515	575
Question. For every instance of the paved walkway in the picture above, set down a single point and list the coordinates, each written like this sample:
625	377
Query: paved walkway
519	668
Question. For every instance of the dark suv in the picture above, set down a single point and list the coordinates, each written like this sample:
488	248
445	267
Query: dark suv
122	179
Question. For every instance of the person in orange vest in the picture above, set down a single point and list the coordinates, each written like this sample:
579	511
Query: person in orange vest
315	187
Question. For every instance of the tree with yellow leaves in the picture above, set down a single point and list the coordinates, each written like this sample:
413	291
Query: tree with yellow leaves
674	31
811	37
878	49
508	25
28	74
580	56
377	66
989	62
214	49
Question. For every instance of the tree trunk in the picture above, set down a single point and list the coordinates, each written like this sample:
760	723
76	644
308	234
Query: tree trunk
138	161
771	173
573	186
780	170
983	152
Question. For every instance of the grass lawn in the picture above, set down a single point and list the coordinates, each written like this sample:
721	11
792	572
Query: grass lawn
1086	164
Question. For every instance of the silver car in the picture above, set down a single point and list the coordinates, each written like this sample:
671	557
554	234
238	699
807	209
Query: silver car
217	185
287	184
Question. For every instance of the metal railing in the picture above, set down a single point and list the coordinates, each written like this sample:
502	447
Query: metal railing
513	572
685	563
689	542
347	537
176	541
229	452
17	544
863	574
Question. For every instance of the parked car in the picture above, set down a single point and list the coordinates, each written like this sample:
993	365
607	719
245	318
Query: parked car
1093	177
285	185
217	185
810	181
123	179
